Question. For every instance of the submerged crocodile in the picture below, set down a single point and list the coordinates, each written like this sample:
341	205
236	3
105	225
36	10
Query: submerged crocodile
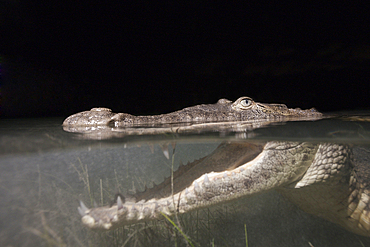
328	180
325	179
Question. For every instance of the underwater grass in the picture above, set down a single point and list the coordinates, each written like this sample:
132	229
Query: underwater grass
246	235
178	229
84	176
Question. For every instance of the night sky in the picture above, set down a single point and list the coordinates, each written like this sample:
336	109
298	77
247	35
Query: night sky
148	57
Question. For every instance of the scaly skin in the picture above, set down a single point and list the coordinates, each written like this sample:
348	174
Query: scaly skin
320	178
243	109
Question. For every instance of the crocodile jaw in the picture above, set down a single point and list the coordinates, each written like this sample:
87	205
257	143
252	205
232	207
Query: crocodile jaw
265	172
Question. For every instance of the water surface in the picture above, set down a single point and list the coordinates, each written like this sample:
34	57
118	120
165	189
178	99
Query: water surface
46	170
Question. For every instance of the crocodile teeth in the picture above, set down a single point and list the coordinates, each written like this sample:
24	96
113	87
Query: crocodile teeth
206	179
165	151
225	175
82	209
241	169
119	203
82	213
166	154
186	191
196	186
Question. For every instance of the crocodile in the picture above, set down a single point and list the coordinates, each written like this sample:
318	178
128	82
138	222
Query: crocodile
329	180
243	109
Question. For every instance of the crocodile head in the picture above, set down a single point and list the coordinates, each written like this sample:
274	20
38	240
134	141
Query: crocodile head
243	109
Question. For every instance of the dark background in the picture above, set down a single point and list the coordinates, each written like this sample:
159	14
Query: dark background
148	57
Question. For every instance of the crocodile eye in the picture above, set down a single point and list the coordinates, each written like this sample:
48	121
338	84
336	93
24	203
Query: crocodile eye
246	102
243	103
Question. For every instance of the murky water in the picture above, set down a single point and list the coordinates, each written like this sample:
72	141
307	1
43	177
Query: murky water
45	171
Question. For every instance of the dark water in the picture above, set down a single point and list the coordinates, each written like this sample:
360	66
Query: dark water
45	171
